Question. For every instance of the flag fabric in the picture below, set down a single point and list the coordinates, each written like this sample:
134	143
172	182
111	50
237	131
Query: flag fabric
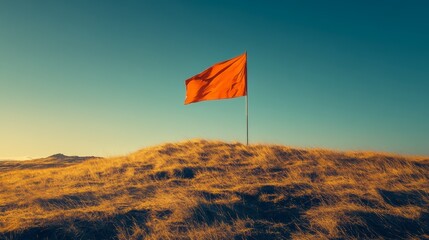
227	79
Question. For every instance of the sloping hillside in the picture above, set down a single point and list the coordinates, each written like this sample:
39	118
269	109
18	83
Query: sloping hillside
215	190
56	160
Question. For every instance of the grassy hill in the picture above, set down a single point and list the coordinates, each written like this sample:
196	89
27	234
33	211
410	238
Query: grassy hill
214	190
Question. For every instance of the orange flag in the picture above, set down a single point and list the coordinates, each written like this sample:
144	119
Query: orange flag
227	79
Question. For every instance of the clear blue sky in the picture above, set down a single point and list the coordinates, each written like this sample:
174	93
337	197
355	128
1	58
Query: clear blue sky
107	77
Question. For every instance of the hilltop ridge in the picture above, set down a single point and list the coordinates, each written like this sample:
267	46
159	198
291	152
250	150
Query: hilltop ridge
202	189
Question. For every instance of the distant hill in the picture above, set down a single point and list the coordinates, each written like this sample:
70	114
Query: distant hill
214	190
56	160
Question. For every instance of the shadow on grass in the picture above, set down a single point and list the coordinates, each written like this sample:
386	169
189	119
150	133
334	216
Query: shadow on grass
368	225
68	201
402	198
82	229
272	219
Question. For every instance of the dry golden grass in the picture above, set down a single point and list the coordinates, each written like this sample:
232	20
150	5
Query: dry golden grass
214	190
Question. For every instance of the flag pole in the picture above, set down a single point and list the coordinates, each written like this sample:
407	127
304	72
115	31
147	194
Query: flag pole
247	109
247	122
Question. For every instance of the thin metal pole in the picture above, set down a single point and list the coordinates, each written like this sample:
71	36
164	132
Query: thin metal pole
247	109
247	122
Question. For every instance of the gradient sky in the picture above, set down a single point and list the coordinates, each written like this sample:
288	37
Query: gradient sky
107	77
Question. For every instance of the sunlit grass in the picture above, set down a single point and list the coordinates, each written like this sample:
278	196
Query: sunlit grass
214	190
